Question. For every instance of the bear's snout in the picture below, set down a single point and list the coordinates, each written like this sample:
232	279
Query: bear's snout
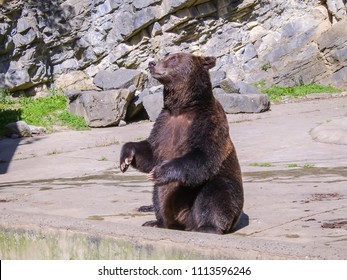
151	64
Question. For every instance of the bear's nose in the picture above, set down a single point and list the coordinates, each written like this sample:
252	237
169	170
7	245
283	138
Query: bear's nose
151	64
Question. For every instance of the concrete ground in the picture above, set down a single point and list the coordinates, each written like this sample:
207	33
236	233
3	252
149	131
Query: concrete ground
62	195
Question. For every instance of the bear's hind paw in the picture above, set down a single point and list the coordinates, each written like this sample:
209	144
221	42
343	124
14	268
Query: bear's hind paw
153	223
146	208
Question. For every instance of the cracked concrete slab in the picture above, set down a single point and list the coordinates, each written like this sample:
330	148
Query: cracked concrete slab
62	195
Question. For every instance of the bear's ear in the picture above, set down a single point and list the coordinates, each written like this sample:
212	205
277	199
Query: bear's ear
208	62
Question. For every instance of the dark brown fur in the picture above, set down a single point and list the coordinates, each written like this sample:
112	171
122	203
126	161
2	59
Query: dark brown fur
189	154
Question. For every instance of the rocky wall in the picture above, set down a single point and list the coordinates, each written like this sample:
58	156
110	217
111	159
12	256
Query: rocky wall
67	42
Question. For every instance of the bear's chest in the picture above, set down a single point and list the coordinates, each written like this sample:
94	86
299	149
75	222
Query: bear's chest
173	137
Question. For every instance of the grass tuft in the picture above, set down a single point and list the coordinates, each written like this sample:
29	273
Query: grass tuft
292	165
261	164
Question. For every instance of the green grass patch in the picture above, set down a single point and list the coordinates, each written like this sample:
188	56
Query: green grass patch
278	93
292	165
308	165
261	164
45	111
73	121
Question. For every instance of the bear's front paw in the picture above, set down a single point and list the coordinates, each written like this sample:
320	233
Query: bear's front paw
126	156
161	174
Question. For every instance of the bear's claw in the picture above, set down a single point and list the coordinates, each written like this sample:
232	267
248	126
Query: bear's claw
150	175
125	165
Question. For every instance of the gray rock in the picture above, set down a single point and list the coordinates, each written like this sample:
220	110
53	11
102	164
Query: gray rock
37	130
339	77
124	23
153	103
77	80
157	29
218	91
122	123
21	40
337	9
145	17
245	88
107	7
18	129
244	103
140	4
229	86
156	89
136	109
122	78
249	52
100	108
25	23
217	77
16	79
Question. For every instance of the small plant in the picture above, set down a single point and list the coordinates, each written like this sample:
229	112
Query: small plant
308	165
266	67
54	152
292	165
103	159
95	218
106	143
5	97
261	164
260	84
300	81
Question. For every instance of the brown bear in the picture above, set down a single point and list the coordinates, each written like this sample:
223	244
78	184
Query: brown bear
189	154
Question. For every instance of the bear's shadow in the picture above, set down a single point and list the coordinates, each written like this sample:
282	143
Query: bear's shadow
243	222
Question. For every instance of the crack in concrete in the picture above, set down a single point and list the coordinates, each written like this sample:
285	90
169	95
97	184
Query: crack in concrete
294	220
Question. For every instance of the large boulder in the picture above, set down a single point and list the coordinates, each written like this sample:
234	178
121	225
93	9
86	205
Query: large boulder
77	80
238	97
18	129
22	129
147	103
121	78
243	103
100	108
153	103
333	44
245	88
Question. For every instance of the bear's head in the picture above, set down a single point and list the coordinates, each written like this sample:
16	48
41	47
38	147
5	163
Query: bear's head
181	67
185	77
